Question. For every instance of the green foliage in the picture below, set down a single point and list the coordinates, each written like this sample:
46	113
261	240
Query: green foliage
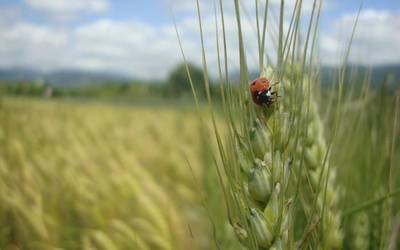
178	82
175	87
23	88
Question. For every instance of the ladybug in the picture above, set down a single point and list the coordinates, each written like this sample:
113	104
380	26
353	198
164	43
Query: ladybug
262	93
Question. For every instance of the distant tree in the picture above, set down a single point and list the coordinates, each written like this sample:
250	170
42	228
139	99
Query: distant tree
178	82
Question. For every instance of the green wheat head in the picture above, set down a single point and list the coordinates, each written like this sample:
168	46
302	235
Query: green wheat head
275	160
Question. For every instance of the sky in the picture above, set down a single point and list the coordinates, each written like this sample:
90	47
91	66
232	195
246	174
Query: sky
137	37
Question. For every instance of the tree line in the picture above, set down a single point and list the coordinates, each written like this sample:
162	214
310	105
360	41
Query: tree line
175	86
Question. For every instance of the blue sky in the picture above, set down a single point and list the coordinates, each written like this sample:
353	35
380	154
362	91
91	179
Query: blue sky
136	37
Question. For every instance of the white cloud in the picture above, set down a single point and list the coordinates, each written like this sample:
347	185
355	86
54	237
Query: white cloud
376	41
65	9
147	50
28	45
130	47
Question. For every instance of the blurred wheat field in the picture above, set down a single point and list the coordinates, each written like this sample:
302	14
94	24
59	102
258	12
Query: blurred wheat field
98	175
101	176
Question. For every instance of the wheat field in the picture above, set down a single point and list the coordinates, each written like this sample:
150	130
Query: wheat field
101	176
98	175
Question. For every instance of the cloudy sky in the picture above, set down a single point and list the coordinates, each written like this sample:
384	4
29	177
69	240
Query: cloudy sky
137	38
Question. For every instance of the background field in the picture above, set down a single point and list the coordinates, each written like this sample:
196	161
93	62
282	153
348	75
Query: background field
103	175
87	174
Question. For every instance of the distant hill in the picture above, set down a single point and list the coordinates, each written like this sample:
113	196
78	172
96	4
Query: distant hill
64	78
378	74
19	74
71	78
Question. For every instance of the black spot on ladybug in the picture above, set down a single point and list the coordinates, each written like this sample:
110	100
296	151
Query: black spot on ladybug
265	97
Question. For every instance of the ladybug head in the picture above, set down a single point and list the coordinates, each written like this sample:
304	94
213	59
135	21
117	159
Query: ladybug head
259	84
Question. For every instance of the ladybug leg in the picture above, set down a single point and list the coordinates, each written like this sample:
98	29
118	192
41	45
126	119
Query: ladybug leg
275	94
276	83
270	87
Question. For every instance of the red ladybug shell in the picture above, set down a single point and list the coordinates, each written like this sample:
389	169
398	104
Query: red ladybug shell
258	86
